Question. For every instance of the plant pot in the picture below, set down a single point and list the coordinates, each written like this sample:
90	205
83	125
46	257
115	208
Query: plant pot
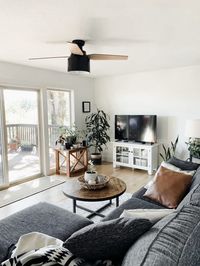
67	146
13	146
96	158
71	140
26	147
90	176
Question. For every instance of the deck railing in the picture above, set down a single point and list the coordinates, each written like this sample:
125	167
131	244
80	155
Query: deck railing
28	134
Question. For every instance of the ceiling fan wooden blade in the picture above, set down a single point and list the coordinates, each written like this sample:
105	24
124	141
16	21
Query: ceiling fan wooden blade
107	57
74	48
48	57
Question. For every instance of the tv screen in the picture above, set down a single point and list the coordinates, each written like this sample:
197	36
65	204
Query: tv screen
121	127
141	128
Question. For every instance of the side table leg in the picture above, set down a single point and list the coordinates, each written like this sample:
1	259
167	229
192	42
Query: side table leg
74	206
85	159
117	201
68	164
57	162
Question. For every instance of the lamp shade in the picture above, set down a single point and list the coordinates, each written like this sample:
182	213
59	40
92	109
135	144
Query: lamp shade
192	129
77	63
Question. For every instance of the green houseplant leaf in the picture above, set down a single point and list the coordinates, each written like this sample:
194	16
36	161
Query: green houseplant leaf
97	127
170	151
194	147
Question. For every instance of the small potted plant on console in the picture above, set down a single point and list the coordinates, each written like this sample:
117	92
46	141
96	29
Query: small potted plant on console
96	129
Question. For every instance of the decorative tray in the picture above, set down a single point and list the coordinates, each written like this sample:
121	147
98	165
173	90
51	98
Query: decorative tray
98	185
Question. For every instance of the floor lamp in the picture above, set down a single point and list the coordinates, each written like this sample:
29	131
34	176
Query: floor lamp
192	131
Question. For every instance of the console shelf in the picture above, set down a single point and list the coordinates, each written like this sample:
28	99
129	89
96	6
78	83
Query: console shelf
136	155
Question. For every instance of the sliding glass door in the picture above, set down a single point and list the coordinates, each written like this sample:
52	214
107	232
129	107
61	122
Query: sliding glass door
29	118
1	164
22	130
59	115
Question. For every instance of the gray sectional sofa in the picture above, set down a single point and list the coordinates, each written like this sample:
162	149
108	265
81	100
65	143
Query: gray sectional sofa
174	240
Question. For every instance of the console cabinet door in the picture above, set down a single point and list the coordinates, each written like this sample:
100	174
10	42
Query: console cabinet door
121	155
138	156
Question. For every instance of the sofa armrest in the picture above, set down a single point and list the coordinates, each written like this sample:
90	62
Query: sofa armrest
42	217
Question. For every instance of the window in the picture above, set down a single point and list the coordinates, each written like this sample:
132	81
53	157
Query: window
59	115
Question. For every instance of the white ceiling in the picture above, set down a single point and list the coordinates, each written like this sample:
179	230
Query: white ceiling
155	34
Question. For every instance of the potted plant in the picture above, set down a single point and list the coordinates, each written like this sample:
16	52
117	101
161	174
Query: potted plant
169	151
91	173
68	136
14	144
96	129
194	148
26	146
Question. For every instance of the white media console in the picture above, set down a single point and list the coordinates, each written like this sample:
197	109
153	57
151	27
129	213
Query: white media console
136	155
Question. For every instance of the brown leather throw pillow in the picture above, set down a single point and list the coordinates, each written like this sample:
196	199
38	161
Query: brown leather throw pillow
168	187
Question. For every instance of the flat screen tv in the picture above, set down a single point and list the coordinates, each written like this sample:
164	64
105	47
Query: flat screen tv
139	128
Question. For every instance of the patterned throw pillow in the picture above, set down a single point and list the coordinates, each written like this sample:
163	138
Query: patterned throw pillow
40	249
54	255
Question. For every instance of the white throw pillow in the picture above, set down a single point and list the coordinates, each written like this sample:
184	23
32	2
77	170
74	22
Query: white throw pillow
154	215
148	184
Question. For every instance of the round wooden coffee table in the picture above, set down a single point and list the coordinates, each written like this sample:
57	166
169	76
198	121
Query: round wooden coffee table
113	190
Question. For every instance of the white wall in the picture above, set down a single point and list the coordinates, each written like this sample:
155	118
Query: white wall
172	94
19	75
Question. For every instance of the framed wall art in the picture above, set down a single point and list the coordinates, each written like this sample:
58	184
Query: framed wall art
86	106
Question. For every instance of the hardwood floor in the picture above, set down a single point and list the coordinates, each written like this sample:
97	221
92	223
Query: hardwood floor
134	179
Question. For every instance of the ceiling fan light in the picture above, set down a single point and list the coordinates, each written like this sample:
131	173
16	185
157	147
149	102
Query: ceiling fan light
78	63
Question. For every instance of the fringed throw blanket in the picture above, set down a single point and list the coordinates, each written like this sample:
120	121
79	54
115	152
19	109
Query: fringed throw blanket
39	249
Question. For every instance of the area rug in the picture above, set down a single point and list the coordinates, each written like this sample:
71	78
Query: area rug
27	189
67	204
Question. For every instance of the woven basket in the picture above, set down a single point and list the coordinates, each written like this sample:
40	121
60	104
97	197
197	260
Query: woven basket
85	185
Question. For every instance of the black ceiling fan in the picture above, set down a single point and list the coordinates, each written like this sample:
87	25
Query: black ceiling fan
79	60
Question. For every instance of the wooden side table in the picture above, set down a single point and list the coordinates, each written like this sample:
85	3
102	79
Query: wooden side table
75	160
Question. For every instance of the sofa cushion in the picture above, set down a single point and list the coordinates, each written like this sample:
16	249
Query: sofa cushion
195	179
184	165
44	218
153	215
192	198
174	240
106	240
169	187
132	203
140	195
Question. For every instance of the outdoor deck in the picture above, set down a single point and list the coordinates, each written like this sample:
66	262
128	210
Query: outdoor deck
23	150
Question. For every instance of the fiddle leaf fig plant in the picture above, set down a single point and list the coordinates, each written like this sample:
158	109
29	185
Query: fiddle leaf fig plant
97	130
